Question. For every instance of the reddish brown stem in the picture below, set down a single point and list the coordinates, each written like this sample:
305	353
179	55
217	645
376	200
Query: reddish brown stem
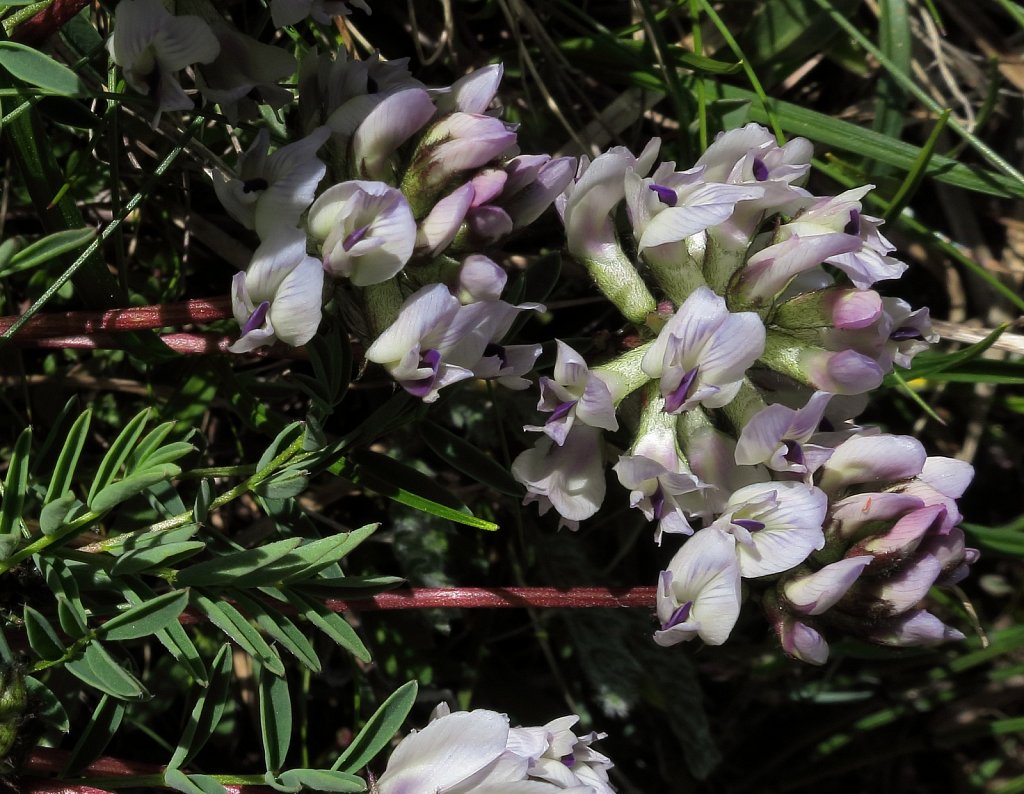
48	761
487	598
39	28
138	318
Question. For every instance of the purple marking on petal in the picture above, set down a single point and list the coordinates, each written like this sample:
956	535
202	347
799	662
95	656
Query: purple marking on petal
493	349
259	314
354	237
422	387
681	615
561	411
658	503
794	453
905	333
569	760
666	194
853	227
760	169
749	524
681	392
252	185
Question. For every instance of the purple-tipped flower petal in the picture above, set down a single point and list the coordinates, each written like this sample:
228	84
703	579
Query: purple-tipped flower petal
814	593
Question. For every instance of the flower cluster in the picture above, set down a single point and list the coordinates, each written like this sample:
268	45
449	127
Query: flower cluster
757	329
477	751
755	323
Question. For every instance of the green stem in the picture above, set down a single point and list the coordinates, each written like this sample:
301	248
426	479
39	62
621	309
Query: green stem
744	406
623	374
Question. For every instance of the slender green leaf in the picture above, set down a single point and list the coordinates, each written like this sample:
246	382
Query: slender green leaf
330	623
38	69
54	515
144	559
48	248
41	636
382	474
16	484
117	454
378	731
281	628
72	617
227	569
466	458
229	620
207	712
916	174
175	779
322	780
98	669
147	446
64	470
322	553
147	618
173	637
275	719
105	720
130	542
48	708
929	365
843	135
894	39
134	484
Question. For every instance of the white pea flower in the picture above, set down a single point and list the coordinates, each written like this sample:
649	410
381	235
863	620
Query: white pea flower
366	230
279	297
271	192
150	45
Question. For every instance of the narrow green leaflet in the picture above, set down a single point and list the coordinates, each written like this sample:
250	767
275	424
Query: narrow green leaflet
117	454
227	569
275	719
49	710
322	780
147	446
16	484
64	470
325	552
147	618
123	490
46	249
175	779
173	636
233	623
99	730
378	730
168	554
207	712
41	636
55	514
466	458
98	669
386	486
928	364
38	69
330	623
281	628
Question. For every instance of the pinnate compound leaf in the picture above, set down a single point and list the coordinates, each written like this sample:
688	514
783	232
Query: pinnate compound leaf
38	69
115	493
321	780
97	668
378	730
147	618
105	720
228	569
41	636
207	712
16	483
275	719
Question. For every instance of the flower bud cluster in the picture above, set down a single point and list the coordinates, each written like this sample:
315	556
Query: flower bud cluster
476	751
756	328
